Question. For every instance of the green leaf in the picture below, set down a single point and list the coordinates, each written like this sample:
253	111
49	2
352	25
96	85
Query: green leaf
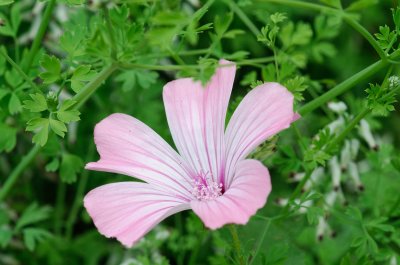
37	104
14	105
334	3
221	24
297	86
53	165
6	2
81	76
52	67
66	114
6	27
8	138
5	236
72	42
134	77
58	127
40	126
32	236
75	2
70	166
361	4
313	214
33	214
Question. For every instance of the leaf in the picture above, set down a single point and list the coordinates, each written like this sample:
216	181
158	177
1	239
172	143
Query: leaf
385	37
32	236
221	24
297	86
40	126
33	214
327	27
37	104
72	42
66	114
81	76
52	67
313	214
70	166
323	49
14	105
53	165
6	2
334	3
8	138
58	127
5	236
361	4
6	27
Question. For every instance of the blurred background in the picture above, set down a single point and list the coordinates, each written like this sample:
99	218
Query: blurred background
65	65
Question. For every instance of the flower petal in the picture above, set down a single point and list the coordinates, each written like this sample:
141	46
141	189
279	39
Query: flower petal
128	146
265	111
196	117
248	193
128	210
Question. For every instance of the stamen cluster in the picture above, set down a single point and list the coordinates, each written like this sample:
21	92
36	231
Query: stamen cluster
205	188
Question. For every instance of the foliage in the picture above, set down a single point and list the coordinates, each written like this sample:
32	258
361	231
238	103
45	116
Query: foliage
66	64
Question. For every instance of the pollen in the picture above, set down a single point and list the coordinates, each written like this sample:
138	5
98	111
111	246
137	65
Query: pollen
205	188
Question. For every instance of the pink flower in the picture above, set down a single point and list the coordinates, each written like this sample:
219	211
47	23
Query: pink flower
210	175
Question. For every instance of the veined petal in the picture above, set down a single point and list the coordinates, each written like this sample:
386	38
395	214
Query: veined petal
128	210
196	117
265	111
248	192
128	146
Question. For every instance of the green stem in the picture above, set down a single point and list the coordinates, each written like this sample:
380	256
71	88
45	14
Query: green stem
157	67
59	211
307	5
236	243
365	33
77	204
40	34
343	87
260	241
19	70
182	53
26	160
91	87
338	139
245	19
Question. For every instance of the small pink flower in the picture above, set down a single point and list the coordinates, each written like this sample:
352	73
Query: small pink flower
210	175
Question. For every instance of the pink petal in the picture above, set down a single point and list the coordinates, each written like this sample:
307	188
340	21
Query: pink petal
247	193
196	117
127	146
265	111
128	210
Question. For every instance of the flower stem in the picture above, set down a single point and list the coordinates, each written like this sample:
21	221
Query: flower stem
236	243
245	19
260	241
88	90
307	5
40	34
25	161
365	33
343	87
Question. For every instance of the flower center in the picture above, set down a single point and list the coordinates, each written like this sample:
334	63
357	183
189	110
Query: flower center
205	188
